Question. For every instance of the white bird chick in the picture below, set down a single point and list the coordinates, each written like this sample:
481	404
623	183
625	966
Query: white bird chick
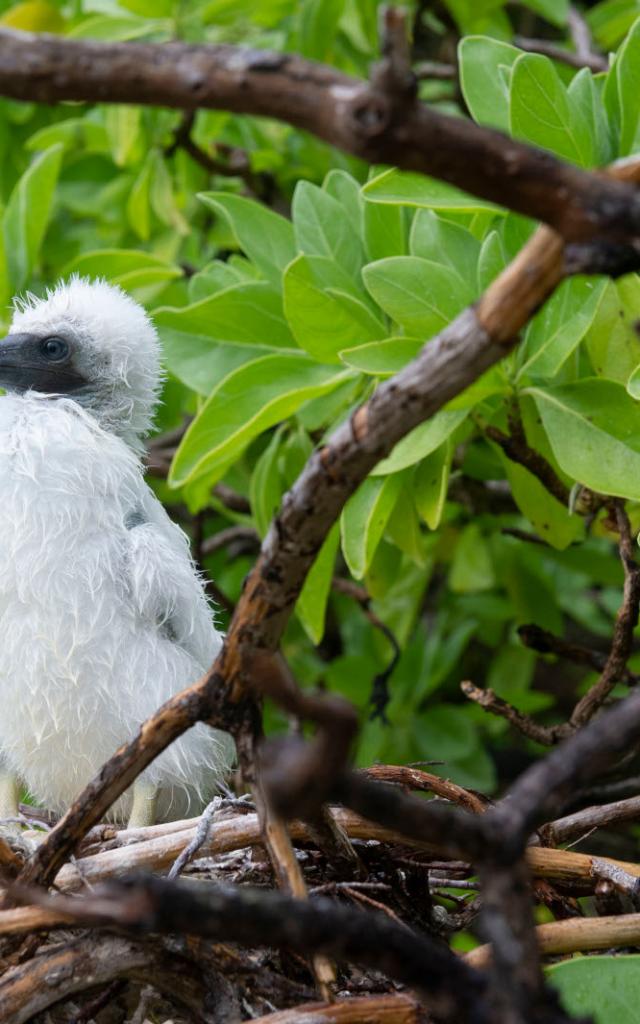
102	613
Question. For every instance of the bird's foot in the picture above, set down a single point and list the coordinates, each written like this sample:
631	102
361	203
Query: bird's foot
143	809
17	844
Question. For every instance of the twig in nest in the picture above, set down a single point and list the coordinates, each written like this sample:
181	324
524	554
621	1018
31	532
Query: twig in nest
452	990
202	834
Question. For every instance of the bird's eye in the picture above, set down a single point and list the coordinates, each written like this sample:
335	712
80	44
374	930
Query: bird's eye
54	349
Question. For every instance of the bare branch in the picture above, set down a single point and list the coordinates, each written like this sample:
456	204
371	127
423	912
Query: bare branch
358	117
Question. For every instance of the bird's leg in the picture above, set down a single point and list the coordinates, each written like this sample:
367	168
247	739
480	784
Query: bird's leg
143	809
9	794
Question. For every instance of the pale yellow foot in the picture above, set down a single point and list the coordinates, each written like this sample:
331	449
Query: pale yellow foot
143	809
9	795
23	843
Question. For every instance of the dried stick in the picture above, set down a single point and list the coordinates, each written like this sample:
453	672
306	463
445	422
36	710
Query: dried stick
589	818
387	1009
354	115
451	989
158	853
67	968
574	935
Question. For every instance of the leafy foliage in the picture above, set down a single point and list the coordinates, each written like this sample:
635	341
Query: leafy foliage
286	287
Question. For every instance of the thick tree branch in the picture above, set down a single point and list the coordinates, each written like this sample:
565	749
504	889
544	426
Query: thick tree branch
358	117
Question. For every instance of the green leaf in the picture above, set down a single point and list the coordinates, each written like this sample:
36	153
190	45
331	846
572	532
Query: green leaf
123	124
316	27
382	358
417	190
593	427
551	520
384	230
111	29
248	401
491	261
265	236
471	569
364	519
421	441
587	98
605	988
485	72
422	296
447	244
321	228
214	277
346	190
267	486
324	320
430	483
561	325
626	74
612	341
130	268
311	606
249	313
555	11
541	111
138	206
27	214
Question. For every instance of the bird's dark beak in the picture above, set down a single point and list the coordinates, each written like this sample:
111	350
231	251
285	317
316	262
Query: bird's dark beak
25	367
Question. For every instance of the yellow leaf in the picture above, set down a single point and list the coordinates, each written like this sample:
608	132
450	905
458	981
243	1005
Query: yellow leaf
33	16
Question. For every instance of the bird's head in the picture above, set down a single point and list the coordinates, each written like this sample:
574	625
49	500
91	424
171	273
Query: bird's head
89	341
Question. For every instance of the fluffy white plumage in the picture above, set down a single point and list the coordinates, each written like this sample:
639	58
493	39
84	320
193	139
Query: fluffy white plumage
102	613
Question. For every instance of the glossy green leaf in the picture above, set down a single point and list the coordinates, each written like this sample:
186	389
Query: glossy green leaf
316	27
612	340
123	124
27	215
430	483
382	358
267	486
540	111
417	190
129	268
422	296
324	320
602	988
248	401
450	245
593	427
550	520
421	441
138	203
560	326
322	230
265	236
249	313
485	72
311	606
364	518
384	230
626	72
346	190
